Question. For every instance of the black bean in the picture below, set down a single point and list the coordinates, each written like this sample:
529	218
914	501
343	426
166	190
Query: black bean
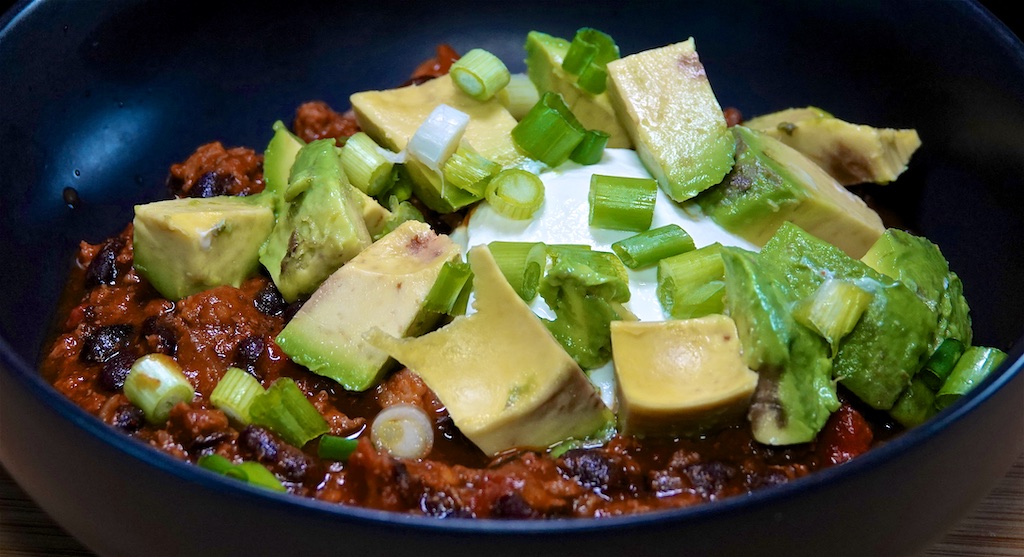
175	185
103	267
592	469
291	310
104	342
129	418
512	505
258	442
441	505
206	441
211	184
710	478
114	371
248	353
269	300
159	336
292	464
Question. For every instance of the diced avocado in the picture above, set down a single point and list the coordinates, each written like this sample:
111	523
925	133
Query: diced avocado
184	246
680	377
278	158
384	287
392	116
581	287
785	118
771	183
918	263
664	99
544	55
892	339
319	226
915	405
375	216
505	381
850	153
795	393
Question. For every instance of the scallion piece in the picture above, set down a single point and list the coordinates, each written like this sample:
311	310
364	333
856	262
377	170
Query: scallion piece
401	211
403	431
692	284
647	248
286	411
438	136
470	171
519	95
156	384
588	56
915	405
365	165
591	149
972	368
252	473
549	132
522	263
451	280
333	447
515	193
833	310
235	393
941	363
479	74
621	203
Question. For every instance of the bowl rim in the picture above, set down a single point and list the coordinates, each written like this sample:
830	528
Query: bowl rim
28	376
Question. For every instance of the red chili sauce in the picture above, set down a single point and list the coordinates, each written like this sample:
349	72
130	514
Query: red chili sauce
112	316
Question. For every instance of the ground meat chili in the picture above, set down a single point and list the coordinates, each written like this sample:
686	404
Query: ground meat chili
112	316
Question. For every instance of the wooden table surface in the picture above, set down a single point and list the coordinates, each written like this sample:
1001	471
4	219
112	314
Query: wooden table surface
995	528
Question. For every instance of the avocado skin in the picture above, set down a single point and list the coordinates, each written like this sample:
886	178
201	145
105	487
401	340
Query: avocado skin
319	223
892	340
794	395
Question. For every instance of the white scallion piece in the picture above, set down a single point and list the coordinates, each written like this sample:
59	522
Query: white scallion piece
403	431
438	137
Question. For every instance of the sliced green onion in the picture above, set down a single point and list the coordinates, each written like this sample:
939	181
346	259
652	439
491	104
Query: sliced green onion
470	171
621	203
915	405
522	263
438	137
462	302
647	248
833	310
941	363
515	193
286	411
365	165
156	384
479	74
549	132
333	447
235	393
519	95
451	280
403	431
588	56
692	284
591	149
252	473
401	211
972	368
215	463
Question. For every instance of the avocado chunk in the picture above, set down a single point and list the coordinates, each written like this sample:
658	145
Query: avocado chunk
664	99
385	287
772	183
319	226
544	56
185	246
278	158
892	339
391	117
850	153
918	263
795	394
680	377
505	380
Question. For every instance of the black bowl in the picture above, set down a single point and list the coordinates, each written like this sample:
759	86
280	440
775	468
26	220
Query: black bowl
103	97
